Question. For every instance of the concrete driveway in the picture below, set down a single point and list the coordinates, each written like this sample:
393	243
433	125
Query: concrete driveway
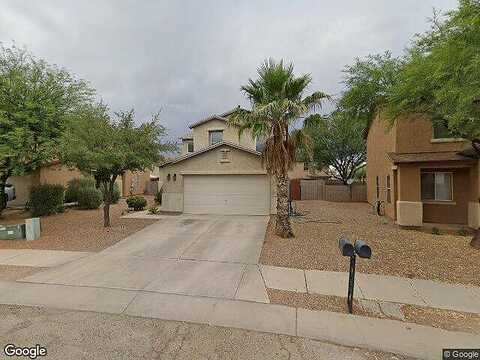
214	256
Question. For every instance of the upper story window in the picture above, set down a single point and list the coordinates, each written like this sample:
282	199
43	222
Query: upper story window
215	136
441	131
190	146
437	186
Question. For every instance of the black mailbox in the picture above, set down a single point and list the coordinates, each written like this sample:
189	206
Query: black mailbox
362	249
346	247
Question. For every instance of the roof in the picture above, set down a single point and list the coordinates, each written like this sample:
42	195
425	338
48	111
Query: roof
221	117
470	152
203	121
208	148
400	158
188	136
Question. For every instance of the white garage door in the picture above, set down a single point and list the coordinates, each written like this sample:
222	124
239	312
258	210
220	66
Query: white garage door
226	194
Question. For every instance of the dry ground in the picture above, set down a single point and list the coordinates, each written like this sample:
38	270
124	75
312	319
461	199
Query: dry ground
85	335
444	319
78	230
398	252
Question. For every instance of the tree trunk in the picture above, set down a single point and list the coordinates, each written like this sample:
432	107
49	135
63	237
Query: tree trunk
282	226
106	214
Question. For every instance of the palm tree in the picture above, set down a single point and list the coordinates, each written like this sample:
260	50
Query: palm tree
277	102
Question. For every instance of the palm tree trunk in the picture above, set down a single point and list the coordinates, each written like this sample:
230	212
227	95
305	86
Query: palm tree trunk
283	227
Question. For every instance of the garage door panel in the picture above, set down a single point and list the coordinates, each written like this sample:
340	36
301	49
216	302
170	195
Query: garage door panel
226	194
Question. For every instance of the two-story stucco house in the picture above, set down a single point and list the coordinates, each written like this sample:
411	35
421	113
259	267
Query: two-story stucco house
422	174
217	172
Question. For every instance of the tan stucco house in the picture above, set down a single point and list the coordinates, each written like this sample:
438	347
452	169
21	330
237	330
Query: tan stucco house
55	173
422	174
217	172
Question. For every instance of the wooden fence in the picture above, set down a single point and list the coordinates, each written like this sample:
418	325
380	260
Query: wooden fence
319	190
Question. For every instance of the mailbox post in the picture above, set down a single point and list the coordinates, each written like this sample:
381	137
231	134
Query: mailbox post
361	249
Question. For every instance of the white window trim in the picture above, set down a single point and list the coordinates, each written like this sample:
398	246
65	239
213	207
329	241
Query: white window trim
388	188
437	201
210	135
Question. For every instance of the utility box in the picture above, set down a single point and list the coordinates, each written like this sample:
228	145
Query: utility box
32	229
12	232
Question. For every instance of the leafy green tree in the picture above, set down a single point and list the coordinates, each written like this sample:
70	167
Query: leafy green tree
441	75
106	148
367	84
338	143
35	101
277	102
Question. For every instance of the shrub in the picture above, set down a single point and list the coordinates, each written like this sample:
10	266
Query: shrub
74	186
436	231
158	197
153	210
136	202
46	199
463	232
89	198
115	195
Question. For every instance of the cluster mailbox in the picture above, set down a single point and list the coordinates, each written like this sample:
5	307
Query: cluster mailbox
361	249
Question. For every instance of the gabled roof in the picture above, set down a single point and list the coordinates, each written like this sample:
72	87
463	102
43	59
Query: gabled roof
221	117
203	121
208	148
188	136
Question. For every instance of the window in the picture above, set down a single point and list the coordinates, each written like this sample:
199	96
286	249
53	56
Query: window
441	131
305	166
174	177
378	187
190	146
168	177
215	136
437	186
389	190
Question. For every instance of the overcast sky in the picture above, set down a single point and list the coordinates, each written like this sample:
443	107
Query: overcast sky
189	58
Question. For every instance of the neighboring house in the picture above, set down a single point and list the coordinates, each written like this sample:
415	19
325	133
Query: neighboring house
422	174
56	173
218	172
301	170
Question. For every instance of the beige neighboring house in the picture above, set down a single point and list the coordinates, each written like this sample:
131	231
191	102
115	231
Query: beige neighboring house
55	173
217	172
422	174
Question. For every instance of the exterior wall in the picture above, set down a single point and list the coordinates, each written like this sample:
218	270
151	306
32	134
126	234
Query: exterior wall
423	140
230	134
211	163
410	204
380	141
135	183
298	171
474	200
58	174
51	174
455	212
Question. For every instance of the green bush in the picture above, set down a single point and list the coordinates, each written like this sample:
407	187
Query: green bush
46	199
158	197
154	210
89	198
115	195
74	186
136	202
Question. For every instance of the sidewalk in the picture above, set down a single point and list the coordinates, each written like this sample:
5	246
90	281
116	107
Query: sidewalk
351	330
39	258
376	287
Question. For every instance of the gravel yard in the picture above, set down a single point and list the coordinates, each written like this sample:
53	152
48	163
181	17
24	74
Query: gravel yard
443	319
398	252
78	230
